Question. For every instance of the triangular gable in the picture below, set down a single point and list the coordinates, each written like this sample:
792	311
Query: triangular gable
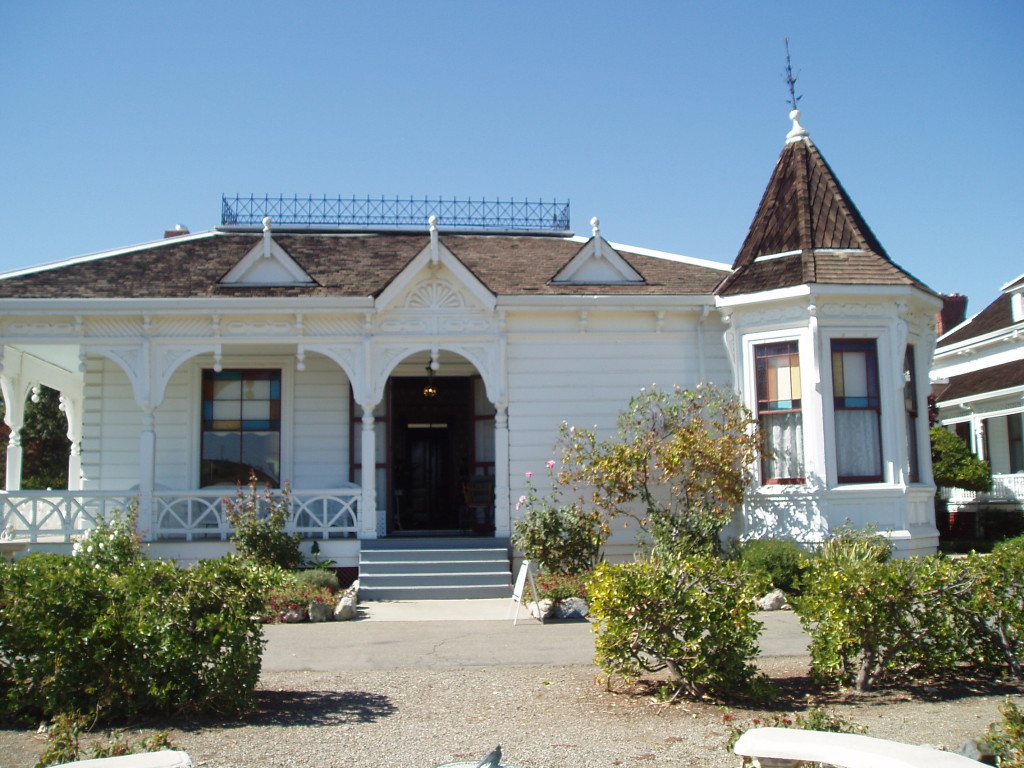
597	263
267	264
435	279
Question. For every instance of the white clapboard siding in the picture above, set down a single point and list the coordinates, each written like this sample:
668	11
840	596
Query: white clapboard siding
320	425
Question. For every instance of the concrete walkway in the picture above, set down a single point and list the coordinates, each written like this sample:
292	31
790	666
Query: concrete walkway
445	634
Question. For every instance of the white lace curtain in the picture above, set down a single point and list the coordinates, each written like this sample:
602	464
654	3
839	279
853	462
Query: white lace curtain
784	435
858	443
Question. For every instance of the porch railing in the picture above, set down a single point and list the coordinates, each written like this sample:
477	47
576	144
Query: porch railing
48	516
1005	489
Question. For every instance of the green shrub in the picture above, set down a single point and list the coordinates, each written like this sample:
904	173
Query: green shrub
258	519
1006	737
781	560
64	742
996	609
119	640
558	539
692	616
871	620
319	578
815	719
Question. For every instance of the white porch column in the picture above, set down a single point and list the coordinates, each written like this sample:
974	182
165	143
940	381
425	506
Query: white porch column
14	417
72	407
147	474
502	519
368	462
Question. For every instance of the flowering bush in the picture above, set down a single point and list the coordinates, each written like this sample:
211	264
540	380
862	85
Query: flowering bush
560	538
293	594
258	519
561	586
112	545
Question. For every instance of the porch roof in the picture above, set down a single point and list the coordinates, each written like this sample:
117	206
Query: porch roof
993	379
340	264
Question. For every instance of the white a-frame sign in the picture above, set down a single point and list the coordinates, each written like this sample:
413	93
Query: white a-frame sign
525	574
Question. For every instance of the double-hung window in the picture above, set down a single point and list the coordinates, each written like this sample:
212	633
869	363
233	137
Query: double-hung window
910	406
777	368
857	405
241	429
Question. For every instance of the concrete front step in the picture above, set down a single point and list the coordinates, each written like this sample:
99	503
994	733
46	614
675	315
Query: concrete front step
375	567
434	593
434	569
433	555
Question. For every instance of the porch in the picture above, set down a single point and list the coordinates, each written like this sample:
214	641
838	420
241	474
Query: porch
56	517
983	516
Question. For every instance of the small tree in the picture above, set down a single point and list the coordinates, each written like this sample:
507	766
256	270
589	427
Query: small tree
686	456
953	464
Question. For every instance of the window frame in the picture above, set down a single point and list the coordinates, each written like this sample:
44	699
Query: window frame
868	346
282	419
761	351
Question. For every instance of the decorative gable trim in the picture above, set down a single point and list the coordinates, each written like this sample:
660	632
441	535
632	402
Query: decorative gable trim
267	264
597	263
435	293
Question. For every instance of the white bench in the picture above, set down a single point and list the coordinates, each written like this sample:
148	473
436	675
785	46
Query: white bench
785	746
166	758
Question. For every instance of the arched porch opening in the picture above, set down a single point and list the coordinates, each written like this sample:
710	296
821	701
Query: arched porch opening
435	452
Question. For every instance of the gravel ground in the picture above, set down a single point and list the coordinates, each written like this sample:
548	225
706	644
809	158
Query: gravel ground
543	716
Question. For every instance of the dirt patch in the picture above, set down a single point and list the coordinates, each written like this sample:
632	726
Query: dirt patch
543	716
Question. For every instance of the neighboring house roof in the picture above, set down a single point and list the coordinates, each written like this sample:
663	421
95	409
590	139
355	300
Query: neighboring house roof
807	230
341	264
982	381
995	317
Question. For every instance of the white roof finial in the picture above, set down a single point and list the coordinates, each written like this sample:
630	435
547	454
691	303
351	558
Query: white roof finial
266	223
435	254
595	227
797	132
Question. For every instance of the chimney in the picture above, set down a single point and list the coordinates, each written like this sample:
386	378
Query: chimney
954	310
179	229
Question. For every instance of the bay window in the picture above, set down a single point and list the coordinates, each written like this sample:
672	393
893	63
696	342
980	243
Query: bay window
777	367
910	406
857	406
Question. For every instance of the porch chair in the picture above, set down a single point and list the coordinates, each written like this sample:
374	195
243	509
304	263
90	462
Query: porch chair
477	504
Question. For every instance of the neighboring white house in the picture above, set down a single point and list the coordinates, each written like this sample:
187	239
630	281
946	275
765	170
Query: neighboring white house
445	359
978	377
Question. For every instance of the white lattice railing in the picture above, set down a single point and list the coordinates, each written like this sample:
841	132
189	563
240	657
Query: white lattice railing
1005	488
177	515
56	516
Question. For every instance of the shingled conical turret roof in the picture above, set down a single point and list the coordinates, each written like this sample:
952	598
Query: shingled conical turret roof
807	230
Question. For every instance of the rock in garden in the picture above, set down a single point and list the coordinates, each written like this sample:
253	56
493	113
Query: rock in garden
320	612
773	601
346	610
293	616
542	610
572	608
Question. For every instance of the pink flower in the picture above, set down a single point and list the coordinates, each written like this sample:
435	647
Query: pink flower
529	474
522	499
551	463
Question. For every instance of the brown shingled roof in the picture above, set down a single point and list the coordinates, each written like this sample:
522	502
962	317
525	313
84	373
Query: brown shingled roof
985	380
360	264
994	317
805	212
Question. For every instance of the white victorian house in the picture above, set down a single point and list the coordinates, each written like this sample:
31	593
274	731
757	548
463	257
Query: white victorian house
978	377
402	382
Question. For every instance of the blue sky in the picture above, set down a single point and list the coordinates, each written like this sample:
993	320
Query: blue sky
120	120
